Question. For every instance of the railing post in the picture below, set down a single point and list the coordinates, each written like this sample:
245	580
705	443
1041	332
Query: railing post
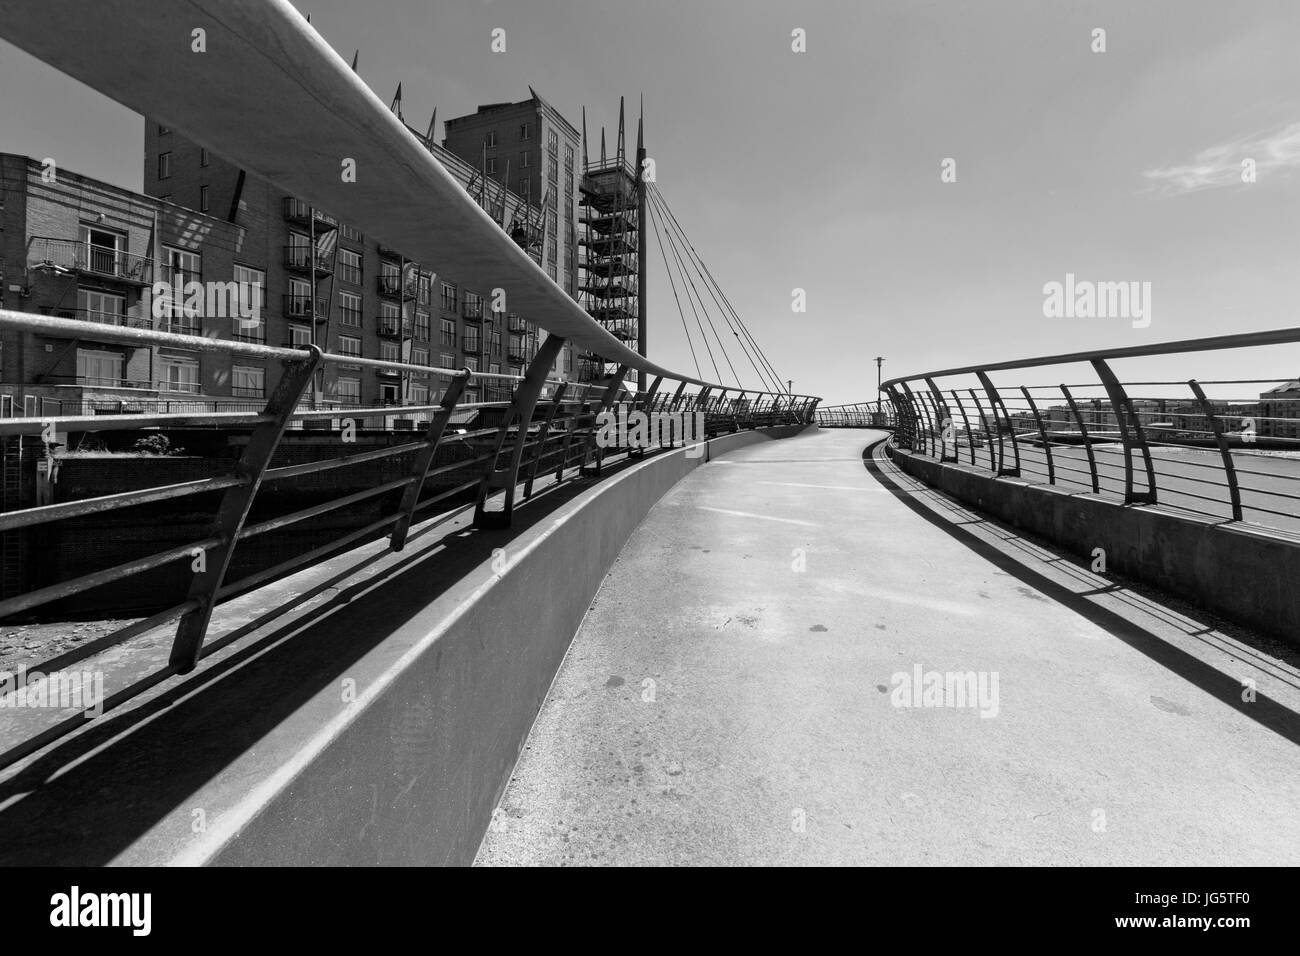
970	436
424	458
918	411
1220	439
611	392
1125	417
521	410
905	420
535	460
235	505
995	402
984	421
1042	434
1083	434
945	422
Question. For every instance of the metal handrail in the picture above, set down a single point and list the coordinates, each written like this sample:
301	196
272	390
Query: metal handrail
507	455
1106	438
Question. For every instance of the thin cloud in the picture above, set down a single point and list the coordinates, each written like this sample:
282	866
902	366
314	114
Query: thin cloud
1221	165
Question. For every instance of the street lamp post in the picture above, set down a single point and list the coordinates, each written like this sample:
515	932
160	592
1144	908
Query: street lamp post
879	361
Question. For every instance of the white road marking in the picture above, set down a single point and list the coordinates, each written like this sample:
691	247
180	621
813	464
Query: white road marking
796	484
746	514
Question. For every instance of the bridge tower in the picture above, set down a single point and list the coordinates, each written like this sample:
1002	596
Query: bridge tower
611	285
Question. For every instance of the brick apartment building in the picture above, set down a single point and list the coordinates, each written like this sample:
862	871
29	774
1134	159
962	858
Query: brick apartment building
75	247
361	297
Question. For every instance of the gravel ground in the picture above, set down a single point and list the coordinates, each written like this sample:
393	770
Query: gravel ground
32	644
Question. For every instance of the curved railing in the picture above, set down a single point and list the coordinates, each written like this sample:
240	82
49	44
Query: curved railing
1093	421
492	451
856	415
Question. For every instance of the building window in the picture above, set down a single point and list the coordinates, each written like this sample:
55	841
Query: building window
181	265
100	368
422	325
449	297
351	233
178	375
204	158
491	140
419	394
350	309
102	307
473	305
525	188
348	391
419	357
350	345
525	132
388	395
390	352
164	165
251	286
299	335
247	382
492	166
552	142
525	160
426	288
389	313
350	266
446	360
203	199
568	156
447	333
163	130
471	363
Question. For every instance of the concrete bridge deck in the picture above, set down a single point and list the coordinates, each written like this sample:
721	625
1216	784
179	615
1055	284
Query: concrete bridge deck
719	706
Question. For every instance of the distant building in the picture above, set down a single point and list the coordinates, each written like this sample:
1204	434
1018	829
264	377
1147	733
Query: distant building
1279	411
75	247
531	148
354	296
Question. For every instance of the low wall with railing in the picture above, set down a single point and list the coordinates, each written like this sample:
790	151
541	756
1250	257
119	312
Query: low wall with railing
1189	485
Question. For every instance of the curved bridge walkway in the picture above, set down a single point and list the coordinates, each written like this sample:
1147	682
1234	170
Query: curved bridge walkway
736	694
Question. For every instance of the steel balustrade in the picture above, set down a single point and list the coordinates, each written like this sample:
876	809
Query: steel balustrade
559	436
1225	448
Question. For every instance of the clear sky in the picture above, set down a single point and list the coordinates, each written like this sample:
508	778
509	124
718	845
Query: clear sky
821	170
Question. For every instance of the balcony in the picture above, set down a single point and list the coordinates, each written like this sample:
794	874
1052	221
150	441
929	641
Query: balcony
472	311
298	258
518	323
295	210
300	307
103	262
256	335
107	318
248	391
389	286
180	326
394	328
189	388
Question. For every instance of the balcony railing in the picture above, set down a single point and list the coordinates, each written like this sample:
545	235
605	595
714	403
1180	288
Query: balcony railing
299	258
102	261
300	307
295	210
472	311
393	328
122	320
389	285
180	326
191	388
248	391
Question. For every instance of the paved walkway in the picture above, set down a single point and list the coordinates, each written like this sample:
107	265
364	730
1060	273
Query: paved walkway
735	695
